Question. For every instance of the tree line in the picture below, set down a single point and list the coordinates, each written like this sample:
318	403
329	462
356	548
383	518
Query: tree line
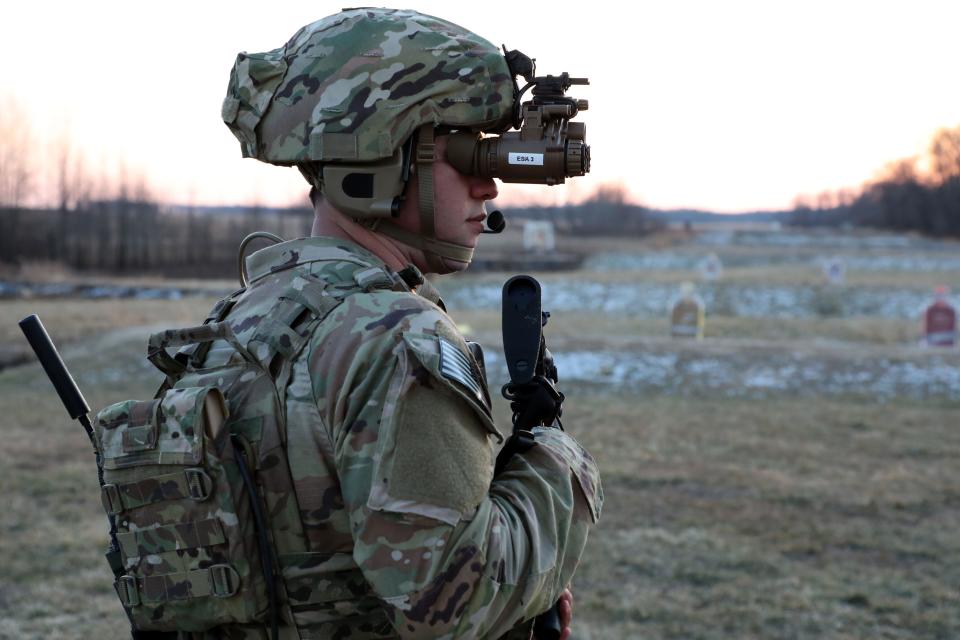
920	194
605	213
135	234
138	235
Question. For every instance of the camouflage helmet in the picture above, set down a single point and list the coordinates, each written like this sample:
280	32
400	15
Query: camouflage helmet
353	87
344	97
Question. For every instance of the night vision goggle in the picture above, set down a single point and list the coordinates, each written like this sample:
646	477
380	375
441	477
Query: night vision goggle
547	148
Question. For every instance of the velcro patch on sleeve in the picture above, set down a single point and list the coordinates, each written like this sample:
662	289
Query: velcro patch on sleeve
455	366
452	367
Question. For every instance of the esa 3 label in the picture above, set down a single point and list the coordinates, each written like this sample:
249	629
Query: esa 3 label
525	158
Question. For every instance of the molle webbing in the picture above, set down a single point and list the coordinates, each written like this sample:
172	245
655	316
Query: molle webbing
285	331
175	366
306	300
172	537
219	580
198	352
193	483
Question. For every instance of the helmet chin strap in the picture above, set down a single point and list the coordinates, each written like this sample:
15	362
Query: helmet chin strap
434	249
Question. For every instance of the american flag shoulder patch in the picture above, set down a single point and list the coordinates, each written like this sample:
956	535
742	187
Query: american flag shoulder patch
455	366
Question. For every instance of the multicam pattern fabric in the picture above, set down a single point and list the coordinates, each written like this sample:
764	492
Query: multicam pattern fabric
354	86
373	557
185	534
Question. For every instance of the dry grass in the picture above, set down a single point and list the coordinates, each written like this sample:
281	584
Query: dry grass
56	272
69	321
723	519
37	271
771	520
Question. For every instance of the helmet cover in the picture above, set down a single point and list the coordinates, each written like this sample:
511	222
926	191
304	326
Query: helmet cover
354	86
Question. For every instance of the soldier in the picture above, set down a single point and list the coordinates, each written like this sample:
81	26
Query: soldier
377	477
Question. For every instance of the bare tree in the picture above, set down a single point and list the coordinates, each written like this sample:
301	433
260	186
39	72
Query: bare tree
63	170
900	171
16	173
610	193
846	196
944	155
255	211
71	187
72	181
17	166
826	200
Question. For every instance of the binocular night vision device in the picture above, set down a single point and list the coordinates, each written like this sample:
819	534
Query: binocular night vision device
547	148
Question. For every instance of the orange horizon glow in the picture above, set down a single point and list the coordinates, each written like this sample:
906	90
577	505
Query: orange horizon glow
726	107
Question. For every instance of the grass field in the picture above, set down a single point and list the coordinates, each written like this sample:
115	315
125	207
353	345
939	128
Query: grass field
779	517
772	520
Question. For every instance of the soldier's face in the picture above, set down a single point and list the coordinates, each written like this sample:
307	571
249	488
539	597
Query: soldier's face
458	201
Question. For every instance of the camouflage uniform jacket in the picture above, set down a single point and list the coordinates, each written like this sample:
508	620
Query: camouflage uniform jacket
404	531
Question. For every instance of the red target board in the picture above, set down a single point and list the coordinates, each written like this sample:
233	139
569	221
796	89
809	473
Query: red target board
940	323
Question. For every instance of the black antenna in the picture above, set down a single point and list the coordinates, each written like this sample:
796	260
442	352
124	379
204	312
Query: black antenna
78	409
53	365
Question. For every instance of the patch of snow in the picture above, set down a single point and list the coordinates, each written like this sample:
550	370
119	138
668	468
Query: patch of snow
687	260
746	374
821	239
651	299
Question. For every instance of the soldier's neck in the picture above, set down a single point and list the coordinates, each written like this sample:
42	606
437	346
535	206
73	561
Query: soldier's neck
329	222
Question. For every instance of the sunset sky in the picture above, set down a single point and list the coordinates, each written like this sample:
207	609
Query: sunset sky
727	106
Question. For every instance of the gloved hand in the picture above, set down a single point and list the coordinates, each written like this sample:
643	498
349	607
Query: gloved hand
534	404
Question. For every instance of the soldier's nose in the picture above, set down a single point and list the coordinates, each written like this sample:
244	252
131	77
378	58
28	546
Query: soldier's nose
483	188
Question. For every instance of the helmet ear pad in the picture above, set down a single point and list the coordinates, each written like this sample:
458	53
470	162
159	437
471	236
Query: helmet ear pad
365	191
372	193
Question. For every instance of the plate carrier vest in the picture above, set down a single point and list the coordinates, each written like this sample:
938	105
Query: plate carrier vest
198	479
